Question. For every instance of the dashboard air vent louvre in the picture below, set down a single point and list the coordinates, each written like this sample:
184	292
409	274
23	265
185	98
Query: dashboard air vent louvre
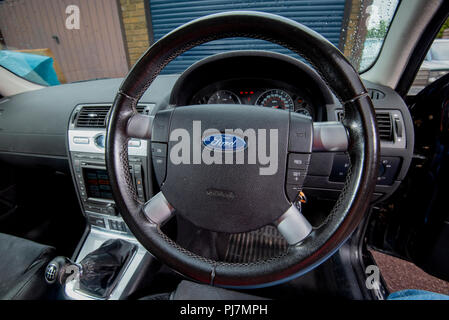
384	124
92	117
96	116
140	109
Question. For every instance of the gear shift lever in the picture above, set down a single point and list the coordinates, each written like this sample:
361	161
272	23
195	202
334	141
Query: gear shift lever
59	269
101	268
98	271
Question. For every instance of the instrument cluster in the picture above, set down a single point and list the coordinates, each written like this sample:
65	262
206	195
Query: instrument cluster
277	97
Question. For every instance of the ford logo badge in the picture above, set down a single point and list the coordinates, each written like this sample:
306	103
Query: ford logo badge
224	142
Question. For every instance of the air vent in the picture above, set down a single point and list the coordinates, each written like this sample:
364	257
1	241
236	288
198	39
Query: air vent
143	109
92	117
384	124
96	116
376	94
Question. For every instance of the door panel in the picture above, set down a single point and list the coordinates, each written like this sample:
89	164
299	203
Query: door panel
414	223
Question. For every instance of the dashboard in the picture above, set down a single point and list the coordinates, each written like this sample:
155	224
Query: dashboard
61	127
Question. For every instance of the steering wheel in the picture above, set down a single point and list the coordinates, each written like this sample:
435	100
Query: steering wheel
245	196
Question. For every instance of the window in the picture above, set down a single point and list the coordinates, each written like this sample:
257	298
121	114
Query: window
436	63
52	43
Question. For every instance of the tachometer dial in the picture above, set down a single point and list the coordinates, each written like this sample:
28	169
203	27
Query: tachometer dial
224	97
303	111
275	98
303	107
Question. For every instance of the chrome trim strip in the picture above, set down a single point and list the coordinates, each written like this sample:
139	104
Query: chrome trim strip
91	147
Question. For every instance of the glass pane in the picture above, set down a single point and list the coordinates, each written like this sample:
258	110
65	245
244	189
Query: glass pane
436	63
52	42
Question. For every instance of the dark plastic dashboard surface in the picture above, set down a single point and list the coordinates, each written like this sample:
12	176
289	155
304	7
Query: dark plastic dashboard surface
36	122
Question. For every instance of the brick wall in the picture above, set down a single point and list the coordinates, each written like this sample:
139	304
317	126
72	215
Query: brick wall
354	24
136	28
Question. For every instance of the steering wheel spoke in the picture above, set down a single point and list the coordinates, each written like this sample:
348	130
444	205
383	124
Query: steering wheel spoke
139	126
330	136
293	226
158	210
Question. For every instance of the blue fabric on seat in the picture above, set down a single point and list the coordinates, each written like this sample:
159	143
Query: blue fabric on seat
416	295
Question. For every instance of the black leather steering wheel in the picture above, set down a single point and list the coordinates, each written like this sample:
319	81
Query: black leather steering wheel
238	198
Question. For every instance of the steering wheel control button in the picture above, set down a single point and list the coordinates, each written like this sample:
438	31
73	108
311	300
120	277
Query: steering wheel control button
293	191
159	149
159	156
299	161
296	177
300	134
160	168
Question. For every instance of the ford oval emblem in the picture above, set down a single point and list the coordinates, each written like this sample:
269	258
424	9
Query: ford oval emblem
224	142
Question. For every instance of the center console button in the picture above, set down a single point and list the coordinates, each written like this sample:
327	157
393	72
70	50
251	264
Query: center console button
134	143
77	166
81	140
96	221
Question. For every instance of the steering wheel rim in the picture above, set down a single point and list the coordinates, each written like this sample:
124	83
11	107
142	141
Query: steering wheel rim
124	123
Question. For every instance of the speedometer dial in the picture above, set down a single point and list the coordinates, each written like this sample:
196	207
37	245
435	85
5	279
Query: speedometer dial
275	98
224	97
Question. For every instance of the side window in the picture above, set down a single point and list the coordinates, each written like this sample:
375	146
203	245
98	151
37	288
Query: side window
436	62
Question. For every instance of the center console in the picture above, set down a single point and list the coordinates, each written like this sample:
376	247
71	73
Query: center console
86	141
86	146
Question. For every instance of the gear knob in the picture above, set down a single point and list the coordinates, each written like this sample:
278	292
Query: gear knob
60	269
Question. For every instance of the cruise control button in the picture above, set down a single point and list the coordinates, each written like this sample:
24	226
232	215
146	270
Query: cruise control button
296	176
298	161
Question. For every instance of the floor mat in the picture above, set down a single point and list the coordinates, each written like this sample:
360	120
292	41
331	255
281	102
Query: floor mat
257	245
400	275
